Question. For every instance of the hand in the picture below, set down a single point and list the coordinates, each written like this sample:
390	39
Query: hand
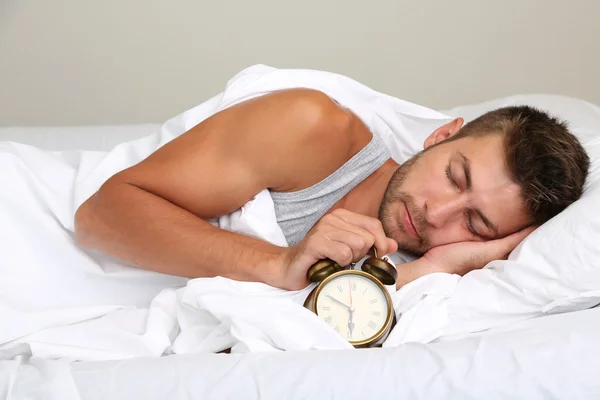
351	313
342	236
337	301
350	324
461	258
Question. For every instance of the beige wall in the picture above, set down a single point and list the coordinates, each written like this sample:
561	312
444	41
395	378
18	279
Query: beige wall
70	62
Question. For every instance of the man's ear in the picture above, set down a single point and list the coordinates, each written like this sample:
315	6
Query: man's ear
444	132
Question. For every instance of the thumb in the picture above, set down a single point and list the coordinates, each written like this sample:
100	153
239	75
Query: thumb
392	246
499	248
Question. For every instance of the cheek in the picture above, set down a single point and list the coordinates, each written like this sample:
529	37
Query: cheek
513	221
424	181
453	233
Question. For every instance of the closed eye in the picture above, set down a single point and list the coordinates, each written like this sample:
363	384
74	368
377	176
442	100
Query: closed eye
471	228
468	214
450	177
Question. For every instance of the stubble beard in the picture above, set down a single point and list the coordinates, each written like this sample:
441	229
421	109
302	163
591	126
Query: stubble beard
395	196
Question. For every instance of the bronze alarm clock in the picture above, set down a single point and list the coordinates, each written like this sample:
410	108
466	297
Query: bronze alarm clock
355	303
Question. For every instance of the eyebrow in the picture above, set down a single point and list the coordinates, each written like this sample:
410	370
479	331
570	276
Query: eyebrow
466	164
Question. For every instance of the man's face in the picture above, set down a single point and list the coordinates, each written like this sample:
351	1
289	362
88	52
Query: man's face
454	192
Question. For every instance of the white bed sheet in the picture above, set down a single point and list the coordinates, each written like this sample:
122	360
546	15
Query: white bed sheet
551	357
555	357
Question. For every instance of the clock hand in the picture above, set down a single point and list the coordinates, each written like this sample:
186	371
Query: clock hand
350	323
337	301
351	313
350	291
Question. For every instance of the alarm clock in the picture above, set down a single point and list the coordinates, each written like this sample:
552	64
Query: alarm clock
354	303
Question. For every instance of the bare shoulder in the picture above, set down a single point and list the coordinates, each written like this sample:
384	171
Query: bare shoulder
308	136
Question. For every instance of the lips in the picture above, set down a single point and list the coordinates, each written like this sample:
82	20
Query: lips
408	223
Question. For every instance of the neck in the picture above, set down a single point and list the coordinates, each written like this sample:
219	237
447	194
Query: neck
366	197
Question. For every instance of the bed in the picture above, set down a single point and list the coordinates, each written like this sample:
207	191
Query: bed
556	356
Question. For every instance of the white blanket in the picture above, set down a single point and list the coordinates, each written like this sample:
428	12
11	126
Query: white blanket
58	300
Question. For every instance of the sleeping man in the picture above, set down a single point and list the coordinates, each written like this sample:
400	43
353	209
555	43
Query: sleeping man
468	198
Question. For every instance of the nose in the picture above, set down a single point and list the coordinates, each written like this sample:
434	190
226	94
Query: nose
442	210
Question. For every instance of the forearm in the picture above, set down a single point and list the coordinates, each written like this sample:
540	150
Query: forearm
413	270
149	232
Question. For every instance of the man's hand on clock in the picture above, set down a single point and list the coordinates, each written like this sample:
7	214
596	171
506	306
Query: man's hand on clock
342	236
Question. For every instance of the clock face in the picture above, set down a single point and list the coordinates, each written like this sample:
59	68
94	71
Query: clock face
353	305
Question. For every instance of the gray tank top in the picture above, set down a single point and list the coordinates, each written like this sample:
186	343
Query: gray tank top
298	211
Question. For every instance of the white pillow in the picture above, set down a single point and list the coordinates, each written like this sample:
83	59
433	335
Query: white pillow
557	267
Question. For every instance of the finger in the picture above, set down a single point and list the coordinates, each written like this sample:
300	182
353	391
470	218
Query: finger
502	247
370	224
322	247
335	223
340	252
359	243
518	237
392	246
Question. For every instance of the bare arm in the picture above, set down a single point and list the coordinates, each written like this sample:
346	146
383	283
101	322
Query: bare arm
152	214
460	258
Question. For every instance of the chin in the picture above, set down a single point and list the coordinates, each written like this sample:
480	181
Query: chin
411	249
406	244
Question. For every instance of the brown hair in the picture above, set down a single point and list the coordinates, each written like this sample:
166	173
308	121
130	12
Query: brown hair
542	156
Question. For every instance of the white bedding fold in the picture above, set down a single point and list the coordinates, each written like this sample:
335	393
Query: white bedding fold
552	357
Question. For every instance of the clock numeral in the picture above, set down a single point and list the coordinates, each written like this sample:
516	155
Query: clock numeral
363	334
325	308
364	292
328	319
340	288
354	287
373	301
337	329
372	324
376	313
